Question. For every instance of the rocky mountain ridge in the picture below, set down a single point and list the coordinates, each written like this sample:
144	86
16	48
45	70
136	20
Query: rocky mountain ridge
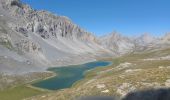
39	38
121	45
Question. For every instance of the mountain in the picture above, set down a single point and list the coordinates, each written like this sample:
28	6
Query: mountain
32	40
117	43
121	45
150	43
166	38
39	38
144	39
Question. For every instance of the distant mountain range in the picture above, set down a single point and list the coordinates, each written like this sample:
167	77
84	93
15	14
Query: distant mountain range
33	40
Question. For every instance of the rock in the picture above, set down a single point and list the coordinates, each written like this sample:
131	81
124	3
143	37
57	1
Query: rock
4	39
123	66
28	62
16	3
100	86
28	46
161	67
105	91
43	96
167	83
125	88
23	31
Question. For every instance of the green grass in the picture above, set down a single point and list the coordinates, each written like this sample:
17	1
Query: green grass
113	78
150	73
19	93
21	88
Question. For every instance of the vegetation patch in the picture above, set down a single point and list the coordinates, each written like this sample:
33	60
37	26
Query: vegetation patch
19	93
127	73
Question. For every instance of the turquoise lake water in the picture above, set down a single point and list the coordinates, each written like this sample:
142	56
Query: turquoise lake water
67	76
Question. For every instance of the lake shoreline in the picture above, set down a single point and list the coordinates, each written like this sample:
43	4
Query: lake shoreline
76	66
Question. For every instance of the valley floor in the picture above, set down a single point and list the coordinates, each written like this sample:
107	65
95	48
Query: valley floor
136	71
128	73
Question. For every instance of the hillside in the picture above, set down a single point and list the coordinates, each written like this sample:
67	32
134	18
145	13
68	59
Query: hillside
30	39
128	73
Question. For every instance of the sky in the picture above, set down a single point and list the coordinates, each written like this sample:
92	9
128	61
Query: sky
128	17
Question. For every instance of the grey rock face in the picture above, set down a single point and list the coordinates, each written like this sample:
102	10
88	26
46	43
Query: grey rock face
118	44
42	38
28	46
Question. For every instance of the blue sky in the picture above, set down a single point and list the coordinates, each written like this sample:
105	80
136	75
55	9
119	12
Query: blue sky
129	17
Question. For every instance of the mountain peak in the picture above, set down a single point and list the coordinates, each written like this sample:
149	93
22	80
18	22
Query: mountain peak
42	38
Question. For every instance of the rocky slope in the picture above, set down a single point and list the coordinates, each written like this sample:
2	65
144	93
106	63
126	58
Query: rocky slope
39	38
117	43
121	45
